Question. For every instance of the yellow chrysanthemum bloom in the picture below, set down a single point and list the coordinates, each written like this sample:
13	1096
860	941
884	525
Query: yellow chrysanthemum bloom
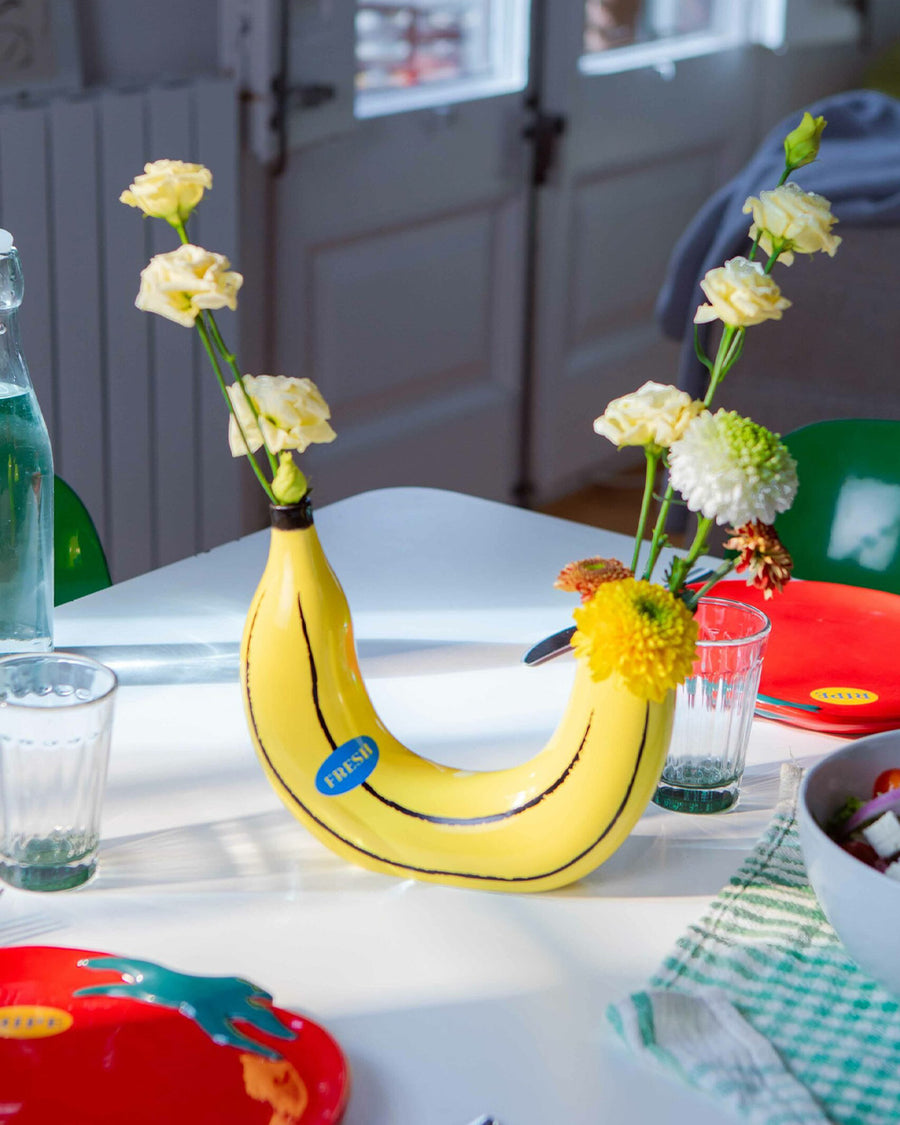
639	630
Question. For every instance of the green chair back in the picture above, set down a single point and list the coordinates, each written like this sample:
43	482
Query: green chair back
79	564
844	525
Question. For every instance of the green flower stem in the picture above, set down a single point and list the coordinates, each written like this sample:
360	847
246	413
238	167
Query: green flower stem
659	538
717	373
729	351
231	360
730	347
207	343
734	352
653	454
699	352
723	571
680	567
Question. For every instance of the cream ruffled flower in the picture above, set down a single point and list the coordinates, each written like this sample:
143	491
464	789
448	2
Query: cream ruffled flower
180	284
800	220
168	189
733	470
740	294
292	414
655	414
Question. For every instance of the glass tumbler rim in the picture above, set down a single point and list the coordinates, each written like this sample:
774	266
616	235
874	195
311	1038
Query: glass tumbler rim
61	658
765	625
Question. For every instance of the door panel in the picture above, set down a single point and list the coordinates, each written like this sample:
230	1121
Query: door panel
390	283
613	214
640	156
406	244
402	264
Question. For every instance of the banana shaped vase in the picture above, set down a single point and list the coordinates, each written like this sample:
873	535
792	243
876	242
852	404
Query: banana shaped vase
342	773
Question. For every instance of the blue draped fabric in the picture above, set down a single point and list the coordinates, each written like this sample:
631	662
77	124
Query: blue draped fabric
858	170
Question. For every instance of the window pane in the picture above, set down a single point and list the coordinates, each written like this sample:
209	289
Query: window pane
401	45
622	23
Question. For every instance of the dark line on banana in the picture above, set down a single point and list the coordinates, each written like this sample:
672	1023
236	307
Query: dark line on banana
408	866
315	678
491	818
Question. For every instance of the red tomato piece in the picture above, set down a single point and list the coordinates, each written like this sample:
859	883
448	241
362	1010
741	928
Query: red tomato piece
861	850
890	779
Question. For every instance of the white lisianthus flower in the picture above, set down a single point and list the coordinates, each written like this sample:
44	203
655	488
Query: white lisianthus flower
655	414
740	294
180	284
800	220
168	189
292	414
732	470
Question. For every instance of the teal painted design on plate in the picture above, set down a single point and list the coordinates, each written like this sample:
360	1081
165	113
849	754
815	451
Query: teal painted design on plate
211	1002
787	703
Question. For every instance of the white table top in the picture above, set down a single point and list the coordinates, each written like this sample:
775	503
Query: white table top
448	1003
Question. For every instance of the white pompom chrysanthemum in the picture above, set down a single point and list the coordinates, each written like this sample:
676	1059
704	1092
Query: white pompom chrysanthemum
732	470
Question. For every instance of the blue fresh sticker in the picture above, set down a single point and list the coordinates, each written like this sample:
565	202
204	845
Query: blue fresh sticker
348	766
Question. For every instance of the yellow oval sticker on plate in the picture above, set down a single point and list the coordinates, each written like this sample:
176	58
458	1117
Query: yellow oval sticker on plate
845	696
32	1021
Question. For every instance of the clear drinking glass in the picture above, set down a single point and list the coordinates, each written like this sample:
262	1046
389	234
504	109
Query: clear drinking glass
714	709
55	722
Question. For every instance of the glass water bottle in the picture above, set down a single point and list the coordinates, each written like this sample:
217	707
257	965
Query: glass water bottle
26	483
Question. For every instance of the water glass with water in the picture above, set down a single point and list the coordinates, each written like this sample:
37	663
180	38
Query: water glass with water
26	483
55	723
714	710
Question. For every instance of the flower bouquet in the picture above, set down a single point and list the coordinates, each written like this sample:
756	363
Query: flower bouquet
325	750
275	413
726	468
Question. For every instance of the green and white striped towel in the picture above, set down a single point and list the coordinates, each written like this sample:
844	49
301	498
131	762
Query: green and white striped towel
760	1006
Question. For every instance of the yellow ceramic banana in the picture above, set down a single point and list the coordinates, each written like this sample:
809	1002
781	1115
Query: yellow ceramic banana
342	773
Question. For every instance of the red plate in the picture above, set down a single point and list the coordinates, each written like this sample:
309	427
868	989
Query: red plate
836	647
100	1060
813	721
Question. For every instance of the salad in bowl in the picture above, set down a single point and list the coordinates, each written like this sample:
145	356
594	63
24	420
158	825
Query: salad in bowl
849	821
868	827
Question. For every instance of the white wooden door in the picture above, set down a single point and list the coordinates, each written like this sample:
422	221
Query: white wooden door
649	136
465	325
399	263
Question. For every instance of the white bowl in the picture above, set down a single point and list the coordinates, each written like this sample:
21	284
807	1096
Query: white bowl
861	903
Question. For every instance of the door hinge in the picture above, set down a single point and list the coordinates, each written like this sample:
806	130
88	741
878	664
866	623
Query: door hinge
308	95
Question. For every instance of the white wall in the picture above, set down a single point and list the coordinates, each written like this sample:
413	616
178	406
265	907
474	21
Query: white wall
132	42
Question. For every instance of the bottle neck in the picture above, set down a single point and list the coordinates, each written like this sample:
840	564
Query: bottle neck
13	368
292	517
